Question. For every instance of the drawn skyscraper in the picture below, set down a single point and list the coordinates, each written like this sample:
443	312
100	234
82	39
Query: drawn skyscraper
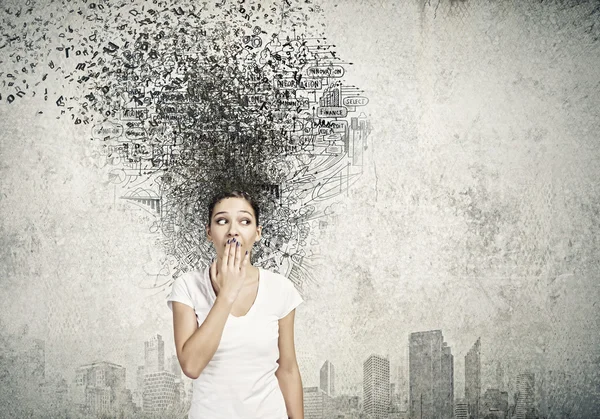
139	389
154	354
473	379
447	390
376	386
431	376
461	410
100	387
309	368
159	385
525	394
331	97
316	403
327	382
402	376
500	376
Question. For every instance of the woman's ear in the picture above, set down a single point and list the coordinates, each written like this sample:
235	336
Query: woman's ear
208	233
258	233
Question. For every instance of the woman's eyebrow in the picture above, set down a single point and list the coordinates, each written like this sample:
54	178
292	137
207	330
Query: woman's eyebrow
225	212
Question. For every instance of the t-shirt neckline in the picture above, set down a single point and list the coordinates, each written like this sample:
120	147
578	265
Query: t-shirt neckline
258	292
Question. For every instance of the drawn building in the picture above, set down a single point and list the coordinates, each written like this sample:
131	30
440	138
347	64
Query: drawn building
494	404
139	387
100	388
500	378
180	398
317	404
525	395
402	382
154	354
431	376
473	379
345	406
376	387
331	98
160	392
358	139
309	368
447	382
461	409
327	379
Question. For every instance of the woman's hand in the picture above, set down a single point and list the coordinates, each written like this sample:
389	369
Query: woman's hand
231	274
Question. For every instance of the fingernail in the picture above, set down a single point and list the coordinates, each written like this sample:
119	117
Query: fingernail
246	252
237	244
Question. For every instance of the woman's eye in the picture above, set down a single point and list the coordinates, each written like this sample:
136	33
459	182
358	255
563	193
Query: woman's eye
246	221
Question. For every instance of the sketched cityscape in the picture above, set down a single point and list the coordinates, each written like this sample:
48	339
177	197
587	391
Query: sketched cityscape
424	390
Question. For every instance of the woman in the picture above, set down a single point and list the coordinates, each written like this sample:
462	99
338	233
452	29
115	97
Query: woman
234	324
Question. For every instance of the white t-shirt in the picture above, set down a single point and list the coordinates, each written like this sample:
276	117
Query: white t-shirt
239	382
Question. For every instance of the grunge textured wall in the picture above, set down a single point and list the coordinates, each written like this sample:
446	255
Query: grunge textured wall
428	170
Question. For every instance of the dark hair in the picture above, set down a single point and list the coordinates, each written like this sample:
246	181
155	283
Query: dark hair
233	194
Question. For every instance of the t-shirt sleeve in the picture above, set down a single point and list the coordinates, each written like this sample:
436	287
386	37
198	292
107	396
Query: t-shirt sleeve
179	293
290	298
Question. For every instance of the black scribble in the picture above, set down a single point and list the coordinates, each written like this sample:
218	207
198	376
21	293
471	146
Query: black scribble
183	101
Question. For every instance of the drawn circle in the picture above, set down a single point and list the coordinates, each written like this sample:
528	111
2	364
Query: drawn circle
256	42
117	176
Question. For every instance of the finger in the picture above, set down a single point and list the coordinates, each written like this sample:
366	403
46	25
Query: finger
244	264
213	270
238	256
225	258
231	258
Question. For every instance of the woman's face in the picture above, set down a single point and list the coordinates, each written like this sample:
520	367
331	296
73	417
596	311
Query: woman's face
233	217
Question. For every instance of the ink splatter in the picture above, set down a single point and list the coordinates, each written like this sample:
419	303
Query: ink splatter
184	100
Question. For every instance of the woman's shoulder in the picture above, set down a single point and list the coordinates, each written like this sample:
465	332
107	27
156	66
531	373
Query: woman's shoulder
194	280
276	278
190	276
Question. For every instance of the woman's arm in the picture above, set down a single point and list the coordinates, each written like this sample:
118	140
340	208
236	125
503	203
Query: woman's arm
288	373
197	345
